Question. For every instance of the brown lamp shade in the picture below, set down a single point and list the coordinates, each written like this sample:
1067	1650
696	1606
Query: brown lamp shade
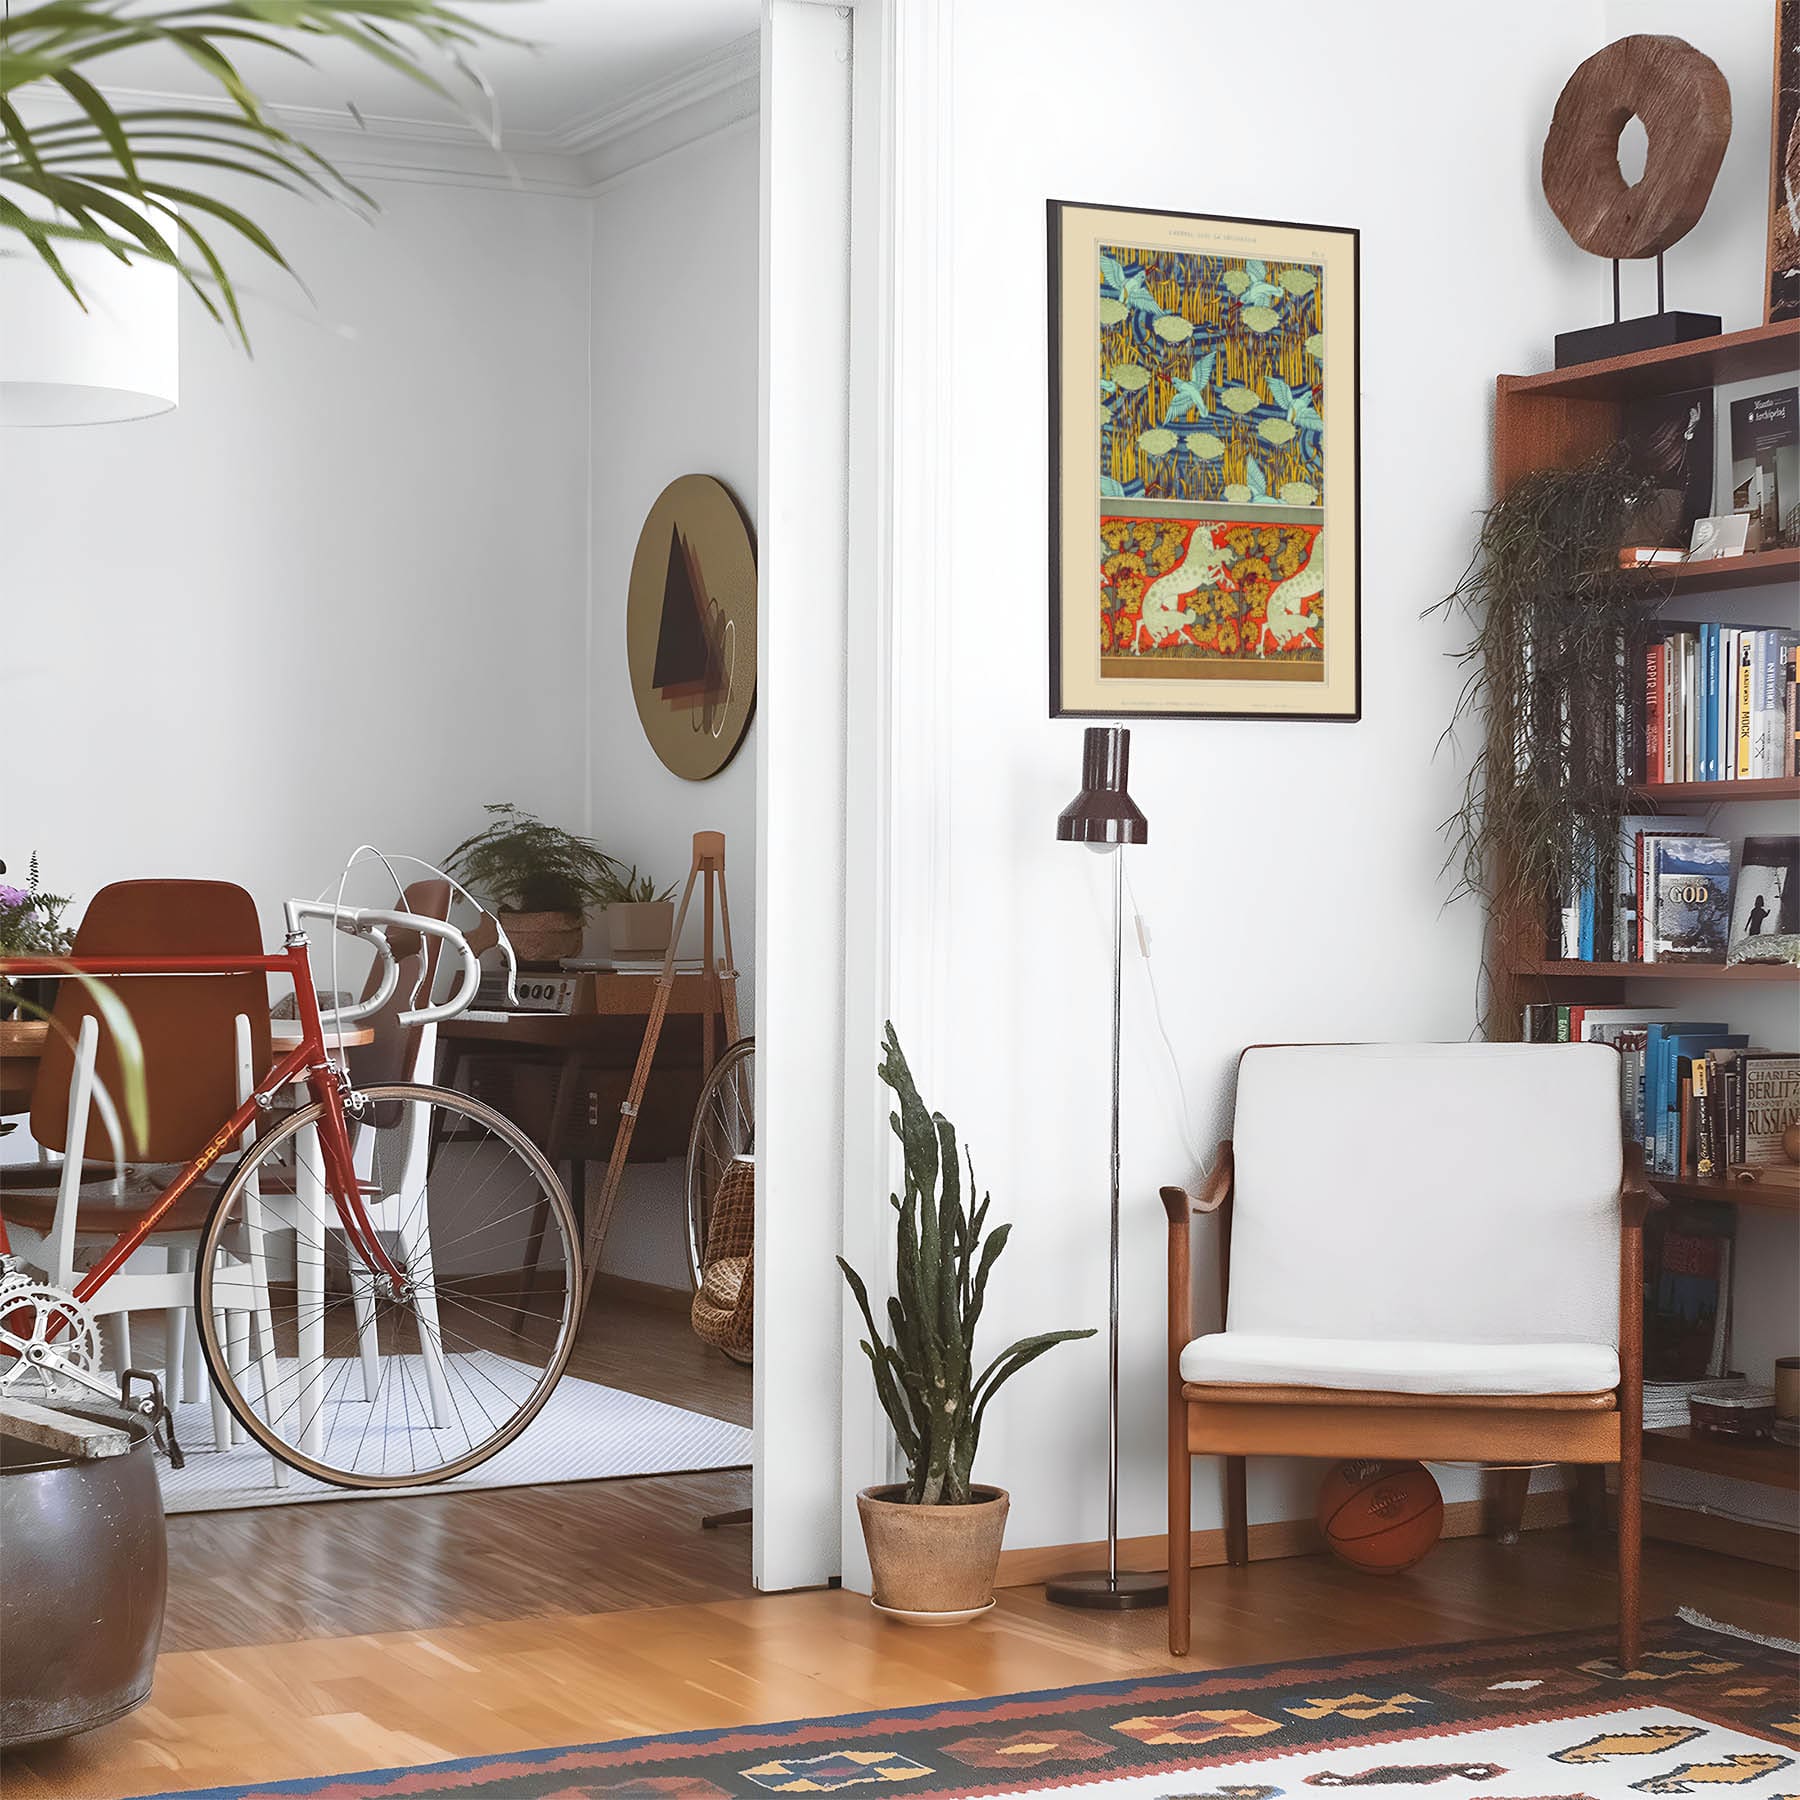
1103	812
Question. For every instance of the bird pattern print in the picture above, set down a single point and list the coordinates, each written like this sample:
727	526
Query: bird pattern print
1212	432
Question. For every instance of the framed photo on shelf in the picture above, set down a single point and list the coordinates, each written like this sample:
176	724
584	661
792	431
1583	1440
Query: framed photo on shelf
1204	466
1783	299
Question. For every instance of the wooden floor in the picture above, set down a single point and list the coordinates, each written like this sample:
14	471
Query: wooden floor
278	1574
315	1640
336	1704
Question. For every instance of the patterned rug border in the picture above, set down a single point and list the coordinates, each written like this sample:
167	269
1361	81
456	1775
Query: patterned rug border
1199	1684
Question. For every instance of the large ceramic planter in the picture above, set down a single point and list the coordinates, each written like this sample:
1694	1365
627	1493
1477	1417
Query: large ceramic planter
85	1570
933	1565
640	928
542	939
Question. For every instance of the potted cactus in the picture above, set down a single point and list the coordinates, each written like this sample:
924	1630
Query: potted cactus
934	1539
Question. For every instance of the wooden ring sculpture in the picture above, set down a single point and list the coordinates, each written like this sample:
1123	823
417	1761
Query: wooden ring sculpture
1684	102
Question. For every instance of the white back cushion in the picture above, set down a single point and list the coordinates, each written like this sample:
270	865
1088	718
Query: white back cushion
1456	1192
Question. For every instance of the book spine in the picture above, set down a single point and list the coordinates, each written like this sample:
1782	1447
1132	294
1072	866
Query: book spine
1727	738
1669	662
1653	714
1709	700
1685	744
1705	1163
1790	748
1742	764
1562	1024
1684	1124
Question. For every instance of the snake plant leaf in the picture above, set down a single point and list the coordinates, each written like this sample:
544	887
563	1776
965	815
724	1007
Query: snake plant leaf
943	1258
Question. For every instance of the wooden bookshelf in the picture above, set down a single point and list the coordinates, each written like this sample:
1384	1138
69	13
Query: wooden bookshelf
1765	1197
1711	793
1743	1459
1551	970
1763	350
1759	568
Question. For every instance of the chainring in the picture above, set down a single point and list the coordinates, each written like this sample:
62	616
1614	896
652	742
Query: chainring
34	1312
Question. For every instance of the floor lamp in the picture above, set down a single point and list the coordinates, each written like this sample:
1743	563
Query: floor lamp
1104	817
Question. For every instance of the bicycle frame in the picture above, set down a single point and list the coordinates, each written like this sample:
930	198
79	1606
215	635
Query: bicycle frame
309	1061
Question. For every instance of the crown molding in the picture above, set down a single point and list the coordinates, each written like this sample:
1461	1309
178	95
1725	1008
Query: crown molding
707	96
729	74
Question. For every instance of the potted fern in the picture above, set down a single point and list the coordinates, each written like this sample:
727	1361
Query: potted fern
934	1539
542	878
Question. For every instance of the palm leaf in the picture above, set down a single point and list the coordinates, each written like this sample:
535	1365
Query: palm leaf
81	168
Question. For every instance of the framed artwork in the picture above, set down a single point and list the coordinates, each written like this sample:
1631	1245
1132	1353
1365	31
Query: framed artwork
1204	504
1784	169
690	626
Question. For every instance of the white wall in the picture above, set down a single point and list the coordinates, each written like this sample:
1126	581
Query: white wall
377	527
674	346
1292	879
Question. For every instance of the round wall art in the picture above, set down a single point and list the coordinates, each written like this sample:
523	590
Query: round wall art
690	626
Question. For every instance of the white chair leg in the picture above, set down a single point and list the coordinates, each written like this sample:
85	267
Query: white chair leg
368	1343
193	1361
115	1332
415	1255
237	1359
175	1329
222	1421
309	1269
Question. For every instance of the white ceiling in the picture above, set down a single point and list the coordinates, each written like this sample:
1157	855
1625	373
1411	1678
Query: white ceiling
589	60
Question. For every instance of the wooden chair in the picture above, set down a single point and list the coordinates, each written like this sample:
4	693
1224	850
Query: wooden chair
1426	1251
204	1040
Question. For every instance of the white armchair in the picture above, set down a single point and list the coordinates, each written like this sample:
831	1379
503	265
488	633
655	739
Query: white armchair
1426	1251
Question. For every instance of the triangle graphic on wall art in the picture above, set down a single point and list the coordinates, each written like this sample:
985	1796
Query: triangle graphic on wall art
687	667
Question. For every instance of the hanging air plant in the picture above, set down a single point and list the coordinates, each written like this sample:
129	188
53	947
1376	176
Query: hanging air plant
1548	679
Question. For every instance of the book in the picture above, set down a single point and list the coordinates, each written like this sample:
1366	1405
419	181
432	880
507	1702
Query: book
1768	701
1632	830
1688	881
1741	756
1766	897
1768	1103
1765	458
1687	1302
1669	438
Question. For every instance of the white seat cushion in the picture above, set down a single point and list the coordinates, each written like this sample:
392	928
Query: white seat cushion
1393	1366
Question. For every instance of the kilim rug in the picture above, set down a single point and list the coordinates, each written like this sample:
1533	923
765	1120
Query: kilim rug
1542	1718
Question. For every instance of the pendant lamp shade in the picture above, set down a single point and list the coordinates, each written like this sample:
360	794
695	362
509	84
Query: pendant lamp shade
59	365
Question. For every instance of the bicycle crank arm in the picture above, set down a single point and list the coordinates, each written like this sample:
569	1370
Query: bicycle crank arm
47	1357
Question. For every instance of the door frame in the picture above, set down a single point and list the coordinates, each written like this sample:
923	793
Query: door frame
853	912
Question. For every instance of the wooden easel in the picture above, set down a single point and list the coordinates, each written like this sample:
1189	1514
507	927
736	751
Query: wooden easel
720	977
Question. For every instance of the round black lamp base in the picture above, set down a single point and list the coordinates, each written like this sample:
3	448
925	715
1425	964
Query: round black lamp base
1098	1592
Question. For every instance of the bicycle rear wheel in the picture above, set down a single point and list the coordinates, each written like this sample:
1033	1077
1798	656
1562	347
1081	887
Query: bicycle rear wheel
337	1370
724	1127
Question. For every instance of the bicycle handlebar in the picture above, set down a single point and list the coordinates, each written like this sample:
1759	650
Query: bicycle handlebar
373	924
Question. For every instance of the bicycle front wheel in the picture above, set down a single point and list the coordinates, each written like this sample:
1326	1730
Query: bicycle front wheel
358	1379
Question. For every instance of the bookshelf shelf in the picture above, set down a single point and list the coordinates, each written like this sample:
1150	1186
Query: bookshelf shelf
1760	568
1778	787
1758	1460
1656	971
1764	350
1769	1198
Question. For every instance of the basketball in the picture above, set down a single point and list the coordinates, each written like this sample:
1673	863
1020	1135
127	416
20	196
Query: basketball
1380	1517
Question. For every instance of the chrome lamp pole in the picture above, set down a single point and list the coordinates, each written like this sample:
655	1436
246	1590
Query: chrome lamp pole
1104	817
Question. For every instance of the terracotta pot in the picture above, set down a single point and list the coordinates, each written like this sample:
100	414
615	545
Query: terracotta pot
640	928
933	1559
542	939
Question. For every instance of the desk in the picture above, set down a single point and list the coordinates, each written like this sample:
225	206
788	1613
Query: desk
562	1076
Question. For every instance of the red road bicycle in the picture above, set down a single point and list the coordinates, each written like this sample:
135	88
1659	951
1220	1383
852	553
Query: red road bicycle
387	1281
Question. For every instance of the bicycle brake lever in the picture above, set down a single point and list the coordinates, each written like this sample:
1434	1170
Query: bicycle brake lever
156	1409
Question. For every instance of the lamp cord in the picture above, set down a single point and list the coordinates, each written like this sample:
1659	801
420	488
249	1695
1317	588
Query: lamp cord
1184	1113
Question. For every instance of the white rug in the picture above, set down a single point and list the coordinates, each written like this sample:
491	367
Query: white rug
586	1432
